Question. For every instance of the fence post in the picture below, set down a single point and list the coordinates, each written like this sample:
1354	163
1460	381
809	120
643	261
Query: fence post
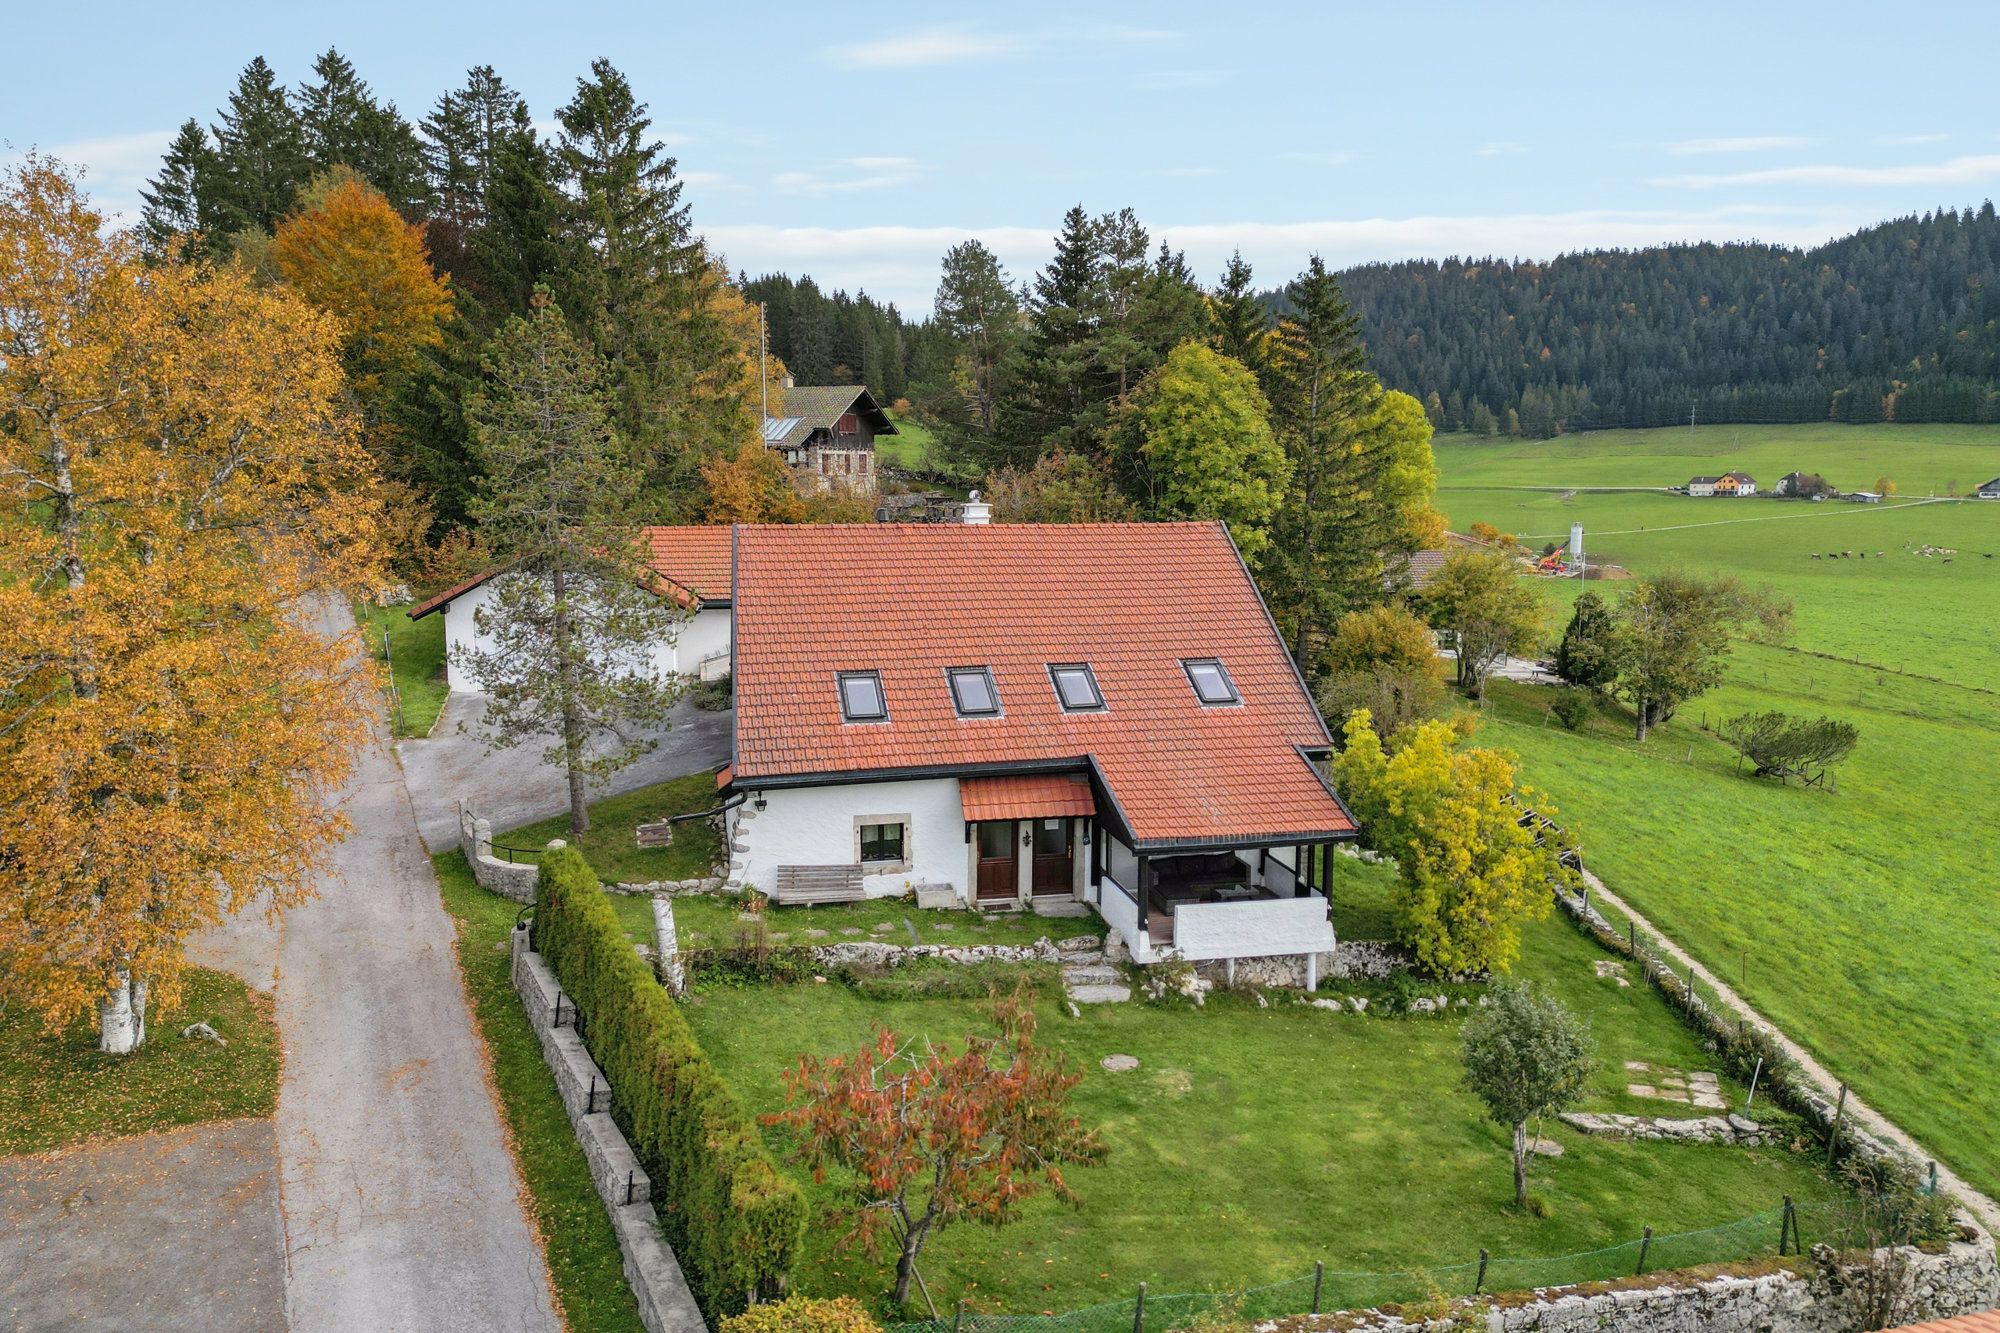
1645	1244
1755	1074
590	1098
1632	936
958	1320
1933	1184
1784	1224
1139	1311
1479	1283
1319	1277
1833	1135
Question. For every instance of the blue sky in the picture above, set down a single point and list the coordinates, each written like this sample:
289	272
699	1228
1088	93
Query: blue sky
857	142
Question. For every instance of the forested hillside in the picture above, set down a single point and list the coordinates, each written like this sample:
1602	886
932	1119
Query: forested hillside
1900	322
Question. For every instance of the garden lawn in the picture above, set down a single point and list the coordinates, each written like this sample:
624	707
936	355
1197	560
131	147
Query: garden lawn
1253	1142
914	445
416	648
1861	919
59	1090
584	1261
612	846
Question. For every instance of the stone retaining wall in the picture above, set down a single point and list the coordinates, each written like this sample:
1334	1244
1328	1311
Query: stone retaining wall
1960	1280
509	879
665	1303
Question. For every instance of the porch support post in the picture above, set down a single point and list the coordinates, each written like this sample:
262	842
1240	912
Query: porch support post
1326	877
1145	894
1299	870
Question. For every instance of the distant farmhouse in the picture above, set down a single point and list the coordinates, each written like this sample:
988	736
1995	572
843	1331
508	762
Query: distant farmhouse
828	433
1989	490
1803	486
1729	483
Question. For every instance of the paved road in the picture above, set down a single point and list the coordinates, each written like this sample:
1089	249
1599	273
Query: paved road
1858	1111
176	1230
402	1208
514	787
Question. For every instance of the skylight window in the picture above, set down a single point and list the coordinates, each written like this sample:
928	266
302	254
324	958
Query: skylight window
1076	687
861	696
972	692
1211	683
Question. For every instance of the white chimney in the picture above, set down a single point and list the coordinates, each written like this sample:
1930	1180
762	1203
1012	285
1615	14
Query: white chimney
790	383
975	511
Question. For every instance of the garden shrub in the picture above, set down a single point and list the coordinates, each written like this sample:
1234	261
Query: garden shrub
734	1219
1571	707
802	1314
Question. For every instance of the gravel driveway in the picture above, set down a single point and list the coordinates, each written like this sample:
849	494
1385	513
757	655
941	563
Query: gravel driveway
514	787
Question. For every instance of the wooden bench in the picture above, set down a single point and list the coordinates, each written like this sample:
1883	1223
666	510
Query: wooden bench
806	886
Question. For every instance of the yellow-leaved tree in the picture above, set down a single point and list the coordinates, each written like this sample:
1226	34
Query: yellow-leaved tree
177	485
1471	874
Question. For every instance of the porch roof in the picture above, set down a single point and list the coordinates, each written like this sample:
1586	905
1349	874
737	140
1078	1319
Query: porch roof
1026	796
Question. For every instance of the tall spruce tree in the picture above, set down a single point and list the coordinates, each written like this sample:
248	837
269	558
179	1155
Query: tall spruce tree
1056	377
570	635
260	155
1331	536
977	307
178	203
1239	321
637	283
520	241
341	124
465	135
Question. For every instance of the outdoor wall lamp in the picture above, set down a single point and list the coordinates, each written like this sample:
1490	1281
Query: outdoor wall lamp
759	801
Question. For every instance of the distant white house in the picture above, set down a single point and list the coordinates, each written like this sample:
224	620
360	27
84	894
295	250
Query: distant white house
1989	490
1865	497
1702	486
693	565
1729	483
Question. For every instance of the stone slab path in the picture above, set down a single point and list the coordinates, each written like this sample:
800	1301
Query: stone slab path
175	1230
1088	977
402	1208
1858	1111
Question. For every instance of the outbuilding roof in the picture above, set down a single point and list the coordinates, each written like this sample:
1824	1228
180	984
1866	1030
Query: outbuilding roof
1135	602
693	562
811	407
1987	1322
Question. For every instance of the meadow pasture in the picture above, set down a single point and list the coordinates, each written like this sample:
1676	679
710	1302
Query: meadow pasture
1861	919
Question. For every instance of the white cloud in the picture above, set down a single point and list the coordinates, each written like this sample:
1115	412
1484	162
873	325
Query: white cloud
1754	143
1957	171
900	263
1909	140
958	44
1504	148
114	168
931	46
850	175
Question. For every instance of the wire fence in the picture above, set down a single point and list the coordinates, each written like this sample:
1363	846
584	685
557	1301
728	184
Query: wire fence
1762	1235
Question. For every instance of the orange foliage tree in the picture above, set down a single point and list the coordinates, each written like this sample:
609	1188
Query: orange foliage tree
177	482
934	1137
753	486
348	252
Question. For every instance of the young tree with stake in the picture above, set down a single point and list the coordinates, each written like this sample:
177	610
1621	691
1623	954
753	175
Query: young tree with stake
1526	1055
935	1137
569	634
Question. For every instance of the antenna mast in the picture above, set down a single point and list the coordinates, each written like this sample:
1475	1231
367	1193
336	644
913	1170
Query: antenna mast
763	375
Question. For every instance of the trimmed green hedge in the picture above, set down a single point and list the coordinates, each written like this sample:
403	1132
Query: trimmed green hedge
732	1217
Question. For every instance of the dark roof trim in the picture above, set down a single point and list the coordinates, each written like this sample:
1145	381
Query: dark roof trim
445	598
850	777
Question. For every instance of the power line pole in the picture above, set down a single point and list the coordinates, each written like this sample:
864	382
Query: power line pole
763	376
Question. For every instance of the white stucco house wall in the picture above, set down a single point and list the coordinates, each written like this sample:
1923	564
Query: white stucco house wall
1030	716
693	566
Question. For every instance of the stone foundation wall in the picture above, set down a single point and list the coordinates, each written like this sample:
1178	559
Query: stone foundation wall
510	879
665	1303
1960	1280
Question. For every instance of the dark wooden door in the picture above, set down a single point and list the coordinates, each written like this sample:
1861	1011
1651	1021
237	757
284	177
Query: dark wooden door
1054	871
998	860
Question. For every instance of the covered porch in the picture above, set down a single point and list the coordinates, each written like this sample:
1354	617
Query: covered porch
1209	903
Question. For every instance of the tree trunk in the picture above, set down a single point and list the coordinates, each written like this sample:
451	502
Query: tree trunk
906	1264
121	1017
1520	1163
572	722
1644	710
579	795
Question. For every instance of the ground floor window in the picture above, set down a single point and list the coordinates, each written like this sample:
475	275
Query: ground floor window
883	842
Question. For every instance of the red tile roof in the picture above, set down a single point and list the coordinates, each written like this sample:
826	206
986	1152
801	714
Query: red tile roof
1025	796
1131	599
693	560
1970	1323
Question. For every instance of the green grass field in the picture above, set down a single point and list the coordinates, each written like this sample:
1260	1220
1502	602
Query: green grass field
1862	920
1253	1142
57	1090
611	845
913	445
415	648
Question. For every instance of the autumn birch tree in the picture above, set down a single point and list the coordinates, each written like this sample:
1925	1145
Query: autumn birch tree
568	638
177	480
